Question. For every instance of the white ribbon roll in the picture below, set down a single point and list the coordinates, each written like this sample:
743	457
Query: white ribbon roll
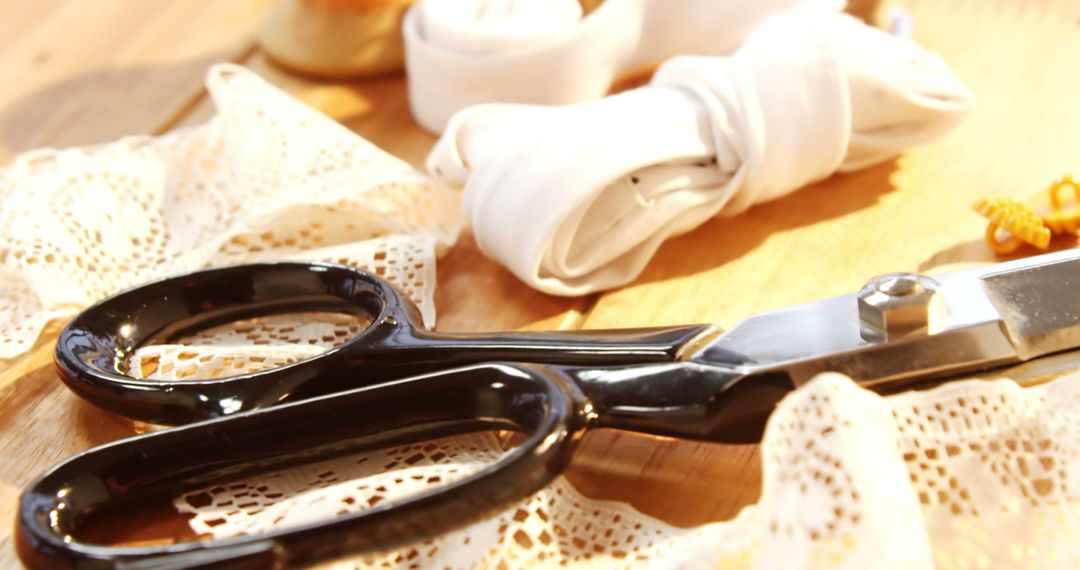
577	199
460	53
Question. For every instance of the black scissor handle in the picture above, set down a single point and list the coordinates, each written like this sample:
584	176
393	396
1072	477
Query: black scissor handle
541	402
93	349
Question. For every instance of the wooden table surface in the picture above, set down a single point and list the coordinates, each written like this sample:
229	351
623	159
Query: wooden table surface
85	71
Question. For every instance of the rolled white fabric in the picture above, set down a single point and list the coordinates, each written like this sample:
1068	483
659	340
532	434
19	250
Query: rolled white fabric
460	53
577	199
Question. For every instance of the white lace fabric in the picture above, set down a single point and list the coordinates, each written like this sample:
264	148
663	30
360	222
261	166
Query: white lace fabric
244	346
972	474
268	178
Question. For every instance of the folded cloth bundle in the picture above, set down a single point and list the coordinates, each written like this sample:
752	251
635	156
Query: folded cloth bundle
577	198
466	52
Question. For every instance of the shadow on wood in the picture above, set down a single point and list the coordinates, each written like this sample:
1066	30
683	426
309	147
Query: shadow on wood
721	240
106	105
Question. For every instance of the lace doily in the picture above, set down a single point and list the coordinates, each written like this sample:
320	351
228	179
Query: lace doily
268	178
245	346
971	474
555	527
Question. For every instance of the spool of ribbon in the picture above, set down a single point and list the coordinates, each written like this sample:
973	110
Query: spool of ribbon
576	199
547	52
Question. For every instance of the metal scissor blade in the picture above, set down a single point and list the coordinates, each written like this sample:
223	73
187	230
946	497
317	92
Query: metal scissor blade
1039	305
1037	371
792	333
972	320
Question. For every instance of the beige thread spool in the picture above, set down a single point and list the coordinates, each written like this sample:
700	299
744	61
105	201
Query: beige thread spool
336	38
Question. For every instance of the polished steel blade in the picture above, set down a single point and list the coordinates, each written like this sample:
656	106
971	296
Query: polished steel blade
979	319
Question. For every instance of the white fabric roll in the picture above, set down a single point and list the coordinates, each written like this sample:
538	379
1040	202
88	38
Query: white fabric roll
577	199
465	52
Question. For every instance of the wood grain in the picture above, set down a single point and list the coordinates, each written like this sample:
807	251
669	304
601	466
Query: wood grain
81	72
72	76
88	71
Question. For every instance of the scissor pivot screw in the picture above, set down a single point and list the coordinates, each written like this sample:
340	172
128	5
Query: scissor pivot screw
895	305
898	286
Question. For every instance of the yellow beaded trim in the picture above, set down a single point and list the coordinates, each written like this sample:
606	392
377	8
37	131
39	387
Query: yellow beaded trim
1011	244
1059	219
1055	190
1063	222
1017	219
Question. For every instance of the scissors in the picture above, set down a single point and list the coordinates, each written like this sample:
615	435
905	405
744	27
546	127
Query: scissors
397	382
